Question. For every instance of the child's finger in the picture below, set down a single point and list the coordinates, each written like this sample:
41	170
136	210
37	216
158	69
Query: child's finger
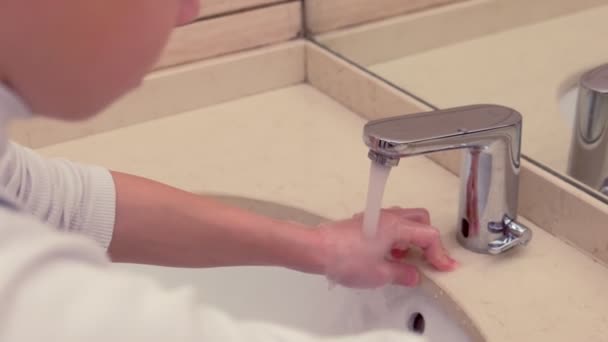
429	240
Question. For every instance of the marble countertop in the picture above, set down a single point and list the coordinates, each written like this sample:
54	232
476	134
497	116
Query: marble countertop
272	146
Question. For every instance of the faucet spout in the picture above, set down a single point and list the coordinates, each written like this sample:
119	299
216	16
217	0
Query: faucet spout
490	137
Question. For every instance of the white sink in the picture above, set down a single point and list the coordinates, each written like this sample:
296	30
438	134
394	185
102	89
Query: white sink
308	303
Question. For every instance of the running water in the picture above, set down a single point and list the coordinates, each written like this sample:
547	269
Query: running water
378	174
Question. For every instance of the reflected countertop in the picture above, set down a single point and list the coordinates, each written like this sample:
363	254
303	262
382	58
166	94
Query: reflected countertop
526	68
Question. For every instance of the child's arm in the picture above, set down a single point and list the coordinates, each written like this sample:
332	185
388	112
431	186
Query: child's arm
157	224
148	222
161	225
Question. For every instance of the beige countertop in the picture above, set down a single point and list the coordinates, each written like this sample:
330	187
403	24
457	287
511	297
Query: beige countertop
273	146
524	68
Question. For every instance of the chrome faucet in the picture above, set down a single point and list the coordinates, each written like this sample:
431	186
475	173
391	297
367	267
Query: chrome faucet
589	149
490	136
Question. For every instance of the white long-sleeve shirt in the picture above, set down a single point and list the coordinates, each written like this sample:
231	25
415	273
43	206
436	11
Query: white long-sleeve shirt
56	219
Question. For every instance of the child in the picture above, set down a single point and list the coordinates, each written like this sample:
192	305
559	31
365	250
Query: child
69	59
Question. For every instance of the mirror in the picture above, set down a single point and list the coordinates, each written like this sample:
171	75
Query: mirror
538	57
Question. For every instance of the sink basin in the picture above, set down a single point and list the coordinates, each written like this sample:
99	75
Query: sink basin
307	302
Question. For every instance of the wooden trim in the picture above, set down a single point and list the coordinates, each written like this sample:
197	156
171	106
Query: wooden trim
217	7
327	15
236	32
545	200
180	89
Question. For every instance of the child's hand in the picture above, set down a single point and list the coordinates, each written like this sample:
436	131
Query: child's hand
355	260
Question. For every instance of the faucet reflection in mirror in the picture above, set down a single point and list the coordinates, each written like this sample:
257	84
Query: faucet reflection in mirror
588	161
490	137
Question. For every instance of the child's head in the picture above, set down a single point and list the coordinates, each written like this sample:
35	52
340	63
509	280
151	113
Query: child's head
71	58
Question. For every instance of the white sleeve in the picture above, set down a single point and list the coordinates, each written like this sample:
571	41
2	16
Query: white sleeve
59	287
66	195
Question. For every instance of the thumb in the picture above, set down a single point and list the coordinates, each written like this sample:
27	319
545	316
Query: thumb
402	274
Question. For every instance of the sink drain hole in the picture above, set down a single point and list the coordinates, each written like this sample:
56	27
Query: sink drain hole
417	323
464	227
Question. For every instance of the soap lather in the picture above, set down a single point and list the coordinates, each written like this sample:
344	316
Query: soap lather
490	136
